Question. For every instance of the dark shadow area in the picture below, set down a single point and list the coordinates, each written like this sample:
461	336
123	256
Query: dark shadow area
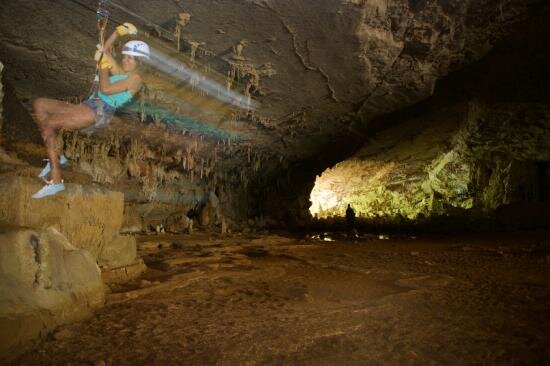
544	185
515	70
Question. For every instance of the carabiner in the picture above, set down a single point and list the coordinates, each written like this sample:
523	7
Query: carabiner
102	12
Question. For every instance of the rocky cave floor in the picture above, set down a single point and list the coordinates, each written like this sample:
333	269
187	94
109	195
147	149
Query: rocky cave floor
269	299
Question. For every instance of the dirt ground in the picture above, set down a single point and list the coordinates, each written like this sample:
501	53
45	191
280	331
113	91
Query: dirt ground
282	300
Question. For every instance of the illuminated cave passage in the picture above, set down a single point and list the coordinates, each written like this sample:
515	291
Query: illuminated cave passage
292	182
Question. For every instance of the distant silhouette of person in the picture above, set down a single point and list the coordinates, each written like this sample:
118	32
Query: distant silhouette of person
350	220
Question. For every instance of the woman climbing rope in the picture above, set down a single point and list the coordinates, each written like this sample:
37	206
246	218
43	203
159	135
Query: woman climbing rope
116	90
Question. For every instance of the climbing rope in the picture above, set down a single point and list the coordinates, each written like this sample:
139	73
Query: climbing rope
102	20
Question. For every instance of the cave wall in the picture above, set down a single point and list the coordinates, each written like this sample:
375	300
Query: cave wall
407	46
474	151
472	161
475	154
1	96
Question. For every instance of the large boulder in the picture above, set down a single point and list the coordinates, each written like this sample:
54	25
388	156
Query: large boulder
119	252
179	223
90	217
153	216
210	212
44	282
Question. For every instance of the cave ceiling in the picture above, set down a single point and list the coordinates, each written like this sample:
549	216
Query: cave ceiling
320	70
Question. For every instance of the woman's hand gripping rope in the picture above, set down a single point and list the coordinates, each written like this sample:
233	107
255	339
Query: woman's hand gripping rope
102	58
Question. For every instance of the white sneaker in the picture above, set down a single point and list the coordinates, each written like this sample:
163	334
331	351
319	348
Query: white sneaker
47	169
49	189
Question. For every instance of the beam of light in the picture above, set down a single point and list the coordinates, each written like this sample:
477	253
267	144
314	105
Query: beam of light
183	73
182	122
165	92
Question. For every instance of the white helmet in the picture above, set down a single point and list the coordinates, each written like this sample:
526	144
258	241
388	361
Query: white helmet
136	48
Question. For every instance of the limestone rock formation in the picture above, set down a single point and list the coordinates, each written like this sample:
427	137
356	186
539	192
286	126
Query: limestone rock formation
44	282
210	213
90	217
179	223
132	221
119	252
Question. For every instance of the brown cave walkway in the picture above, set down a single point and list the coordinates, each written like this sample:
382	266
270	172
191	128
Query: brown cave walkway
265	299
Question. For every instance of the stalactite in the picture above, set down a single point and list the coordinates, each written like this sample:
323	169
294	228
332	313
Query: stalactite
257	163
191	162
228	81
142	109
115	145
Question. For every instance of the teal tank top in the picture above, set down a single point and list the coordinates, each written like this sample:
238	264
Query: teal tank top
118	99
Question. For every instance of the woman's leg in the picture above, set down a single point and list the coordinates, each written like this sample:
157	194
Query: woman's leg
43	107
53	116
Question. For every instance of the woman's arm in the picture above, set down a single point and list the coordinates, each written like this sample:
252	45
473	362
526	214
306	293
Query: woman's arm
131	83
108	45
115	69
